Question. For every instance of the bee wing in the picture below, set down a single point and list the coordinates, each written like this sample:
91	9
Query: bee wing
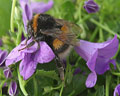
55	32
67	34
70	31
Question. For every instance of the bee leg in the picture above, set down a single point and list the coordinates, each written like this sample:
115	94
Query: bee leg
60	67
28	46
25	42
38	45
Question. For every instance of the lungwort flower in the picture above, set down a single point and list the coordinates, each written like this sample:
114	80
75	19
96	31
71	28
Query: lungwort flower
29	8
98	57
117	90
30	57
91	7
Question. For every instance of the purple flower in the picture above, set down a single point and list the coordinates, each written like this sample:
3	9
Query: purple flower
91	7
98	57
3	55
117	90
7	72
13	88
33	7
29	57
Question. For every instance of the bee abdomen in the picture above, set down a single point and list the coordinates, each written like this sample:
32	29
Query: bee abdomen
62	48
65	52
59	46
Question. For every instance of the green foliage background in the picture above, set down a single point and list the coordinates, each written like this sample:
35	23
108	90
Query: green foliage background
97	27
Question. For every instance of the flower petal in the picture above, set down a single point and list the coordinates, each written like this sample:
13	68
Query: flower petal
12	61
41	7
110	48
27	66
13	88
26	12
117	90
31	49
102	65
14	53
92	61
14	56
45	53
98	54
91	80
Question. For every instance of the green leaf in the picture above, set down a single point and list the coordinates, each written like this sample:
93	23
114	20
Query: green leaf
100	91
5	11
68	10
79	83
50	74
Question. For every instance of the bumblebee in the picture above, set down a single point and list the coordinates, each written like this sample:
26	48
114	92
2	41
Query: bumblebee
59	34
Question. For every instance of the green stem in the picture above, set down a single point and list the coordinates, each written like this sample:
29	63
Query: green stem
12	16
80	7
107	84
77	62
71	94
35	87
118	67
22	85
2	83
118	79
58	87
94	34
19	35
62	88
104	27
101	35
115	73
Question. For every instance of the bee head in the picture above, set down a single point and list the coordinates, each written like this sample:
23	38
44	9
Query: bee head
29	28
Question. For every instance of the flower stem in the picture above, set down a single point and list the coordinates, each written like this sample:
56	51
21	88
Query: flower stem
106	28
12	16
35	87
58	87
115	73
107	84
118	79
63	83
1	85
19	35
22	85
118	67
94	35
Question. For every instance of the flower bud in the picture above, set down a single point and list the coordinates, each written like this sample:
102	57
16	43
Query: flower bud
91	7
13	88
3	55
7	73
